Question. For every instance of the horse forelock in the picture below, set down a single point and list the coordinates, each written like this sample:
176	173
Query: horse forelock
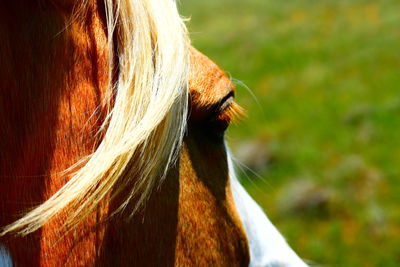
144	126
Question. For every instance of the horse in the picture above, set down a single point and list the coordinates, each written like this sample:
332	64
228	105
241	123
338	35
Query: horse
112	143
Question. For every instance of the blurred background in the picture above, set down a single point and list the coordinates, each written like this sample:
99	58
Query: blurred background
320	147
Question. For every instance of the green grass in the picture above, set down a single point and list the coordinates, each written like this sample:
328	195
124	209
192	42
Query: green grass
326	75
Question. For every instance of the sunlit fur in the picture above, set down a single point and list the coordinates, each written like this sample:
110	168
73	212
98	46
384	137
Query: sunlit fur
147	118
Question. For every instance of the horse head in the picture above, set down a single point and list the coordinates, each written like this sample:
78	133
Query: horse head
113	141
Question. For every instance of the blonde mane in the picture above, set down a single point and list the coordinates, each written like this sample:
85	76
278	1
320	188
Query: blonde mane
147	119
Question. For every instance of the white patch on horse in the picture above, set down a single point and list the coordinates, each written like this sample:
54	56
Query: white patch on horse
268	248
5	258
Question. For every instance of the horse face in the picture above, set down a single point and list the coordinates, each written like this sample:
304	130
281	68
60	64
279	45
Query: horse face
191	219
205	196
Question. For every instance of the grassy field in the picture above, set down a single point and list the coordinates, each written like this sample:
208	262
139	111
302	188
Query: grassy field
321	135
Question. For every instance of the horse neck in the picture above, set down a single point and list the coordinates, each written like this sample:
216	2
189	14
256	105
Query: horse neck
53	78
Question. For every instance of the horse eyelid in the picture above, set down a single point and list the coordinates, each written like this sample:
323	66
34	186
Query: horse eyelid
223	104
228	109
226	104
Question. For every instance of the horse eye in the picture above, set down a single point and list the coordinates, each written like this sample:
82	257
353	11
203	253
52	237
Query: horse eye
222	115
225	105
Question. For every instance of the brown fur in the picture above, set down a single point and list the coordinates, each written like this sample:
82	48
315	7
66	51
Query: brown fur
52	78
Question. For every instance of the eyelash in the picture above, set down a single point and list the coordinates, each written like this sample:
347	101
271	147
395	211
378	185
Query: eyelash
233	112
220	122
